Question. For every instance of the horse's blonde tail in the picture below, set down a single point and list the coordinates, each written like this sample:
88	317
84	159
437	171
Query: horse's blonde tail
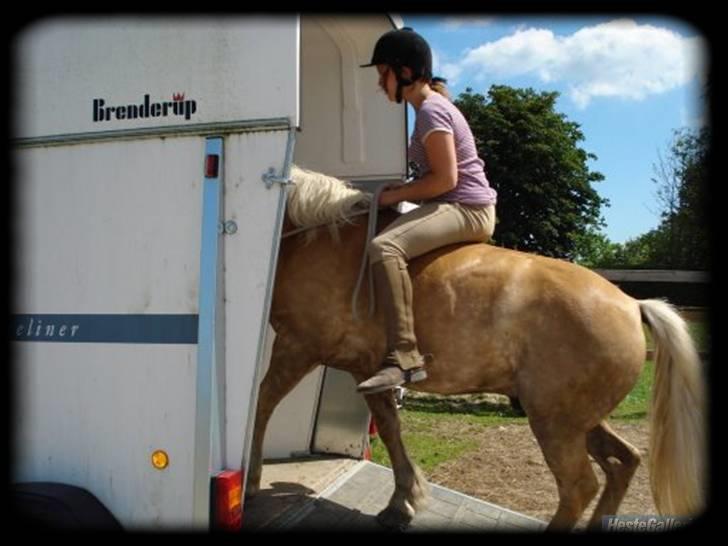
677	439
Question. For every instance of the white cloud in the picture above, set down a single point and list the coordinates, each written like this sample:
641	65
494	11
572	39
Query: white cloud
455	23
615	59
435	61
442	68
450	71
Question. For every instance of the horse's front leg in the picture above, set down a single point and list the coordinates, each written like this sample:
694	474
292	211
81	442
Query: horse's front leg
287	368
411	490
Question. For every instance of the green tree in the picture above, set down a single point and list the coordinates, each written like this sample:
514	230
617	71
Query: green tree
533	160
683	238
638	253
594	249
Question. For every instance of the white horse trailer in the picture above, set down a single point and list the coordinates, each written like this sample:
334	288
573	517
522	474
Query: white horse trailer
150	159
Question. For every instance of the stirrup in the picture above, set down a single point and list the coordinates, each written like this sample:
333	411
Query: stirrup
390	377
415	375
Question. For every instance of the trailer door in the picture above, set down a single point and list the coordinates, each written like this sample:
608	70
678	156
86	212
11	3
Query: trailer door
145	247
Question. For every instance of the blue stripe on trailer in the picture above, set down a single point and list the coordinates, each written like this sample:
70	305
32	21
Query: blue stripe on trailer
210	349
178	329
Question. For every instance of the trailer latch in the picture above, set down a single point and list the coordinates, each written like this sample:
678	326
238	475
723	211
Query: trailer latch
271	178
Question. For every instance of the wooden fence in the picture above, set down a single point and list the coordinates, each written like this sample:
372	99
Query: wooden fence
688	290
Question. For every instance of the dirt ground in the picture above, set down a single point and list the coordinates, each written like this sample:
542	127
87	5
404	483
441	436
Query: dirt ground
508	469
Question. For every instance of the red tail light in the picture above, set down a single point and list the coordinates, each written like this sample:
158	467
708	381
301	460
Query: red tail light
372	427
372	436
227	501
212	164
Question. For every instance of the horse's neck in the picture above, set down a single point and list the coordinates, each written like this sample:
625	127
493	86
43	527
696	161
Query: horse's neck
384	218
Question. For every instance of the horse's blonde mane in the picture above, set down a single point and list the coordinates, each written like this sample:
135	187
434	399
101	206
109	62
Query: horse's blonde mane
316	199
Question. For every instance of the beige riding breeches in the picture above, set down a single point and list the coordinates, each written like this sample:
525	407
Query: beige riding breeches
432	226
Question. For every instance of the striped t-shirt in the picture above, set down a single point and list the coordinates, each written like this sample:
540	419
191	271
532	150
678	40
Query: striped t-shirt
437	113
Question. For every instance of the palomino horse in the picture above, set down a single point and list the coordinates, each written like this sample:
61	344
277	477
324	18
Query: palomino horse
563	340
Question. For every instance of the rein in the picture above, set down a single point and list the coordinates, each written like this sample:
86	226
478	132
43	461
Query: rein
308	228
371	232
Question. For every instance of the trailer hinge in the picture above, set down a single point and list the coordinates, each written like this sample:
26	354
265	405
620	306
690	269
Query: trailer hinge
271	178
228	228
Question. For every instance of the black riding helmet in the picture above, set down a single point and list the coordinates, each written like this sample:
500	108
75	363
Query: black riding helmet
403	47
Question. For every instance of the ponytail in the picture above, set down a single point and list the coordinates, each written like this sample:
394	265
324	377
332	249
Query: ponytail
438	85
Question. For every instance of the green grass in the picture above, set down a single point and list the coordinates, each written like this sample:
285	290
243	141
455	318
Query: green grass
435	428
426	450
637	402
701	335
700	332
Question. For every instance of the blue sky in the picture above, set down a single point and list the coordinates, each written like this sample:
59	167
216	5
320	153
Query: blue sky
629	82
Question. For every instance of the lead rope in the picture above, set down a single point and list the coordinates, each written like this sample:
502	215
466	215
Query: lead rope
307	228
371	232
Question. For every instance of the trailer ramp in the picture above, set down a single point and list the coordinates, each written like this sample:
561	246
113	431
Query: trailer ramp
352	492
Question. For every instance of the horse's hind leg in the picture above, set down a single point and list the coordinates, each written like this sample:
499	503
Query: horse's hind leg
619	460
566	455
410	487
285	372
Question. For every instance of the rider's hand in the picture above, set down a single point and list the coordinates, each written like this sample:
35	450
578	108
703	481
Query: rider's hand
389	197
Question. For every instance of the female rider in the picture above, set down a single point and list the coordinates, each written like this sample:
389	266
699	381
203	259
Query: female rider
458	204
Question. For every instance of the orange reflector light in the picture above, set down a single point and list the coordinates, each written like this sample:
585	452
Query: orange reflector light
160	460
227	501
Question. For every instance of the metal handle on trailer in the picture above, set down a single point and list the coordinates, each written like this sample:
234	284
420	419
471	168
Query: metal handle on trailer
270	177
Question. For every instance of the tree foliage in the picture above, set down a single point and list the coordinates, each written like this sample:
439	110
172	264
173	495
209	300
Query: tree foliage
682	239
683	192
534	162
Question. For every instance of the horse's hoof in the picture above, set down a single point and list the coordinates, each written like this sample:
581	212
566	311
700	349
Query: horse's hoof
393	520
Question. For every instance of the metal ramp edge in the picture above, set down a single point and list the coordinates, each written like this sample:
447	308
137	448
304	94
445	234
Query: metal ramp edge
352	501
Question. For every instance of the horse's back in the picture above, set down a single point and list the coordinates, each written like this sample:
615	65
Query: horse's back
503	270
520	284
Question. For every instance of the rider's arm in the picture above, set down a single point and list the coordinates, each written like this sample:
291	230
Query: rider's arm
443	176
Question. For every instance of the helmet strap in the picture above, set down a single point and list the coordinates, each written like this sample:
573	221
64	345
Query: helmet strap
401	82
